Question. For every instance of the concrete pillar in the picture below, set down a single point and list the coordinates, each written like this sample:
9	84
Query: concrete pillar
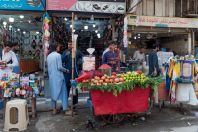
189	43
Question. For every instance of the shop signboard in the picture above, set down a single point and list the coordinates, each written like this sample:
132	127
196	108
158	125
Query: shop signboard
103	6
161	22
36	5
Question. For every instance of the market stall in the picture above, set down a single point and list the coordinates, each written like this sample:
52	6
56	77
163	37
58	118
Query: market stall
114	94
175	35
21	25
94	27
182	73
25	87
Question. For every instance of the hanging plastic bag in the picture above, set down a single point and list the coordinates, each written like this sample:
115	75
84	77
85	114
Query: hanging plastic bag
193	98
182	92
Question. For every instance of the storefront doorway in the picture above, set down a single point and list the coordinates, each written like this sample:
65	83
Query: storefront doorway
25	29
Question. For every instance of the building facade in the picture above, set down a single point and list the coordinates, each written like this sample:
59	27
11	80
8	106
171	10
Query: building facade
164	23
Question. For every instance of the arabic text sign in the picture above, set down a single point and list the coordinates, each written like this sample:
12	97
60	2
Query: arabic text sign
22	4
163	21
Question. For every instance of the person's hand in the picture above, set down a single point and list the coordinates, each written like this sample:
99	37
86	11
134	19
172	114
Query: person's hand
67	71
2	65
67	53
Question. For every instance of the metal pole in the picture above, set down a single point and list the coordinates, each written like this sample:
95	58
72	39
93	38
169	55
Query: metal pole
154	7
193	42
189	43
188	7
181	8
73	57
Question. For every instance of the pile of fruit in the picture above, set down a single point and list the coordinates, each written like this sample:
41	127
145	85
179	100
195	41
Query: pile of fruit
134	76
105	80
116	83
117	78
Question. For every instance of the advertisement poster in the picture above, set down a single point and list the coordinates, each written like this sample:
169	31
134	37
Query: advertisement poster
37	5
103	6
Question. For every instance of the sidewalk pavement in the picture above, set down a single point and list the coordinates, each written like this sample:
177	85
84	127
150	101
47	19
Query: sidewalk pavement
166	120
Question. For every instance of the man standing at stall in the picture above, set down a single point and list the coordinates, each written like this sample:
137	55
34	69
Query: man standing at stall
153	62
56	79
110	57
8	58
139	54
67	63
106	50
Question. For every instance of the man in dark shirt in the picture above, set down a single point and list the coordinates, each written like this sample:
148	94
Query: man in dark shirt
67	63
153	62
110	57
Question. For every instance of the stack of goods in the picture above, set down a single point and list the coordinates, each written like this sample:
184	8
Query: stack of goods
9	83
182	74
16	86
116	83
29	87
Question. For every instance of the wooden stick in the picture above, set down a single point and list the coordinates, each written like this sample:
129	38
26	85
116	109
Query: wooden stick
73	57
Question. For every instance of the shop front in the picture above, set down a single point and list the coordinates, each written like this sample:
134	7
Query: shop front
21	23
95	22
176	34
172	35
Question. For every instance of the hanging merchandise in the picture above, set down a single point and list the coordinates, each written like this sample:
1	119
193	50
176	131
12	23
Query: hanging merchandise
187	67
182	74
46	36
196	78
33	44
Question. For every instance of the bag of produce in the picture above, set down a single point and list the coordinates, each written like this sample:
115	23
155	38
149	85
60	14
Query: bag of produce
193	98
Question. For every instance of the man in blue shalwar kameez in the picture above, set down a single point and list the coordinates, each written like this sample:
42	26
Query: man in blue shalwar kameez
57	83
67	63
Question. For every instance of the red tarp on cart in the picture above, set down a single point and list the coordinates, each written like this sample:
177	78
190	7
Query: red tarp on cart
135	101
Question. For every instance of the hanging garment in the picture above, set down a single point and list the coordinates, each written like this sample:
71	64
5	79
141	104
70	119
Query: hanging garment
175	75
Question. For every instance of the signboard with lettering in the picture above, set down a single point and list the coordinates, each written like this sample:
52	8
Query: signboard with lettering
32	5
162	21
103	6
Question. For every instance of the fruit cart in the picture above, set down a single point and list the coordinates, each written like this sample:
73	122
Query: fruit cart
116	97
114	109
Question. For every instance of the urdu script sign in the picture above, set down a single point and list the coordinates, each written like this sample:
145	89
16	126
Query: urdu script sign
162	21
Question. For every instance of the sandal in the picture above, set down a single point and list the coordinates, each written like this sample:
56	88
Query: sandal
69	113
55	111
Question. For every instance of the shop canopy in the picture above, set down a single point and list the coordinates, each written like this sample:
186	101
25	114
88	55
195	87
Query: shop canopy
29	5
161	22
